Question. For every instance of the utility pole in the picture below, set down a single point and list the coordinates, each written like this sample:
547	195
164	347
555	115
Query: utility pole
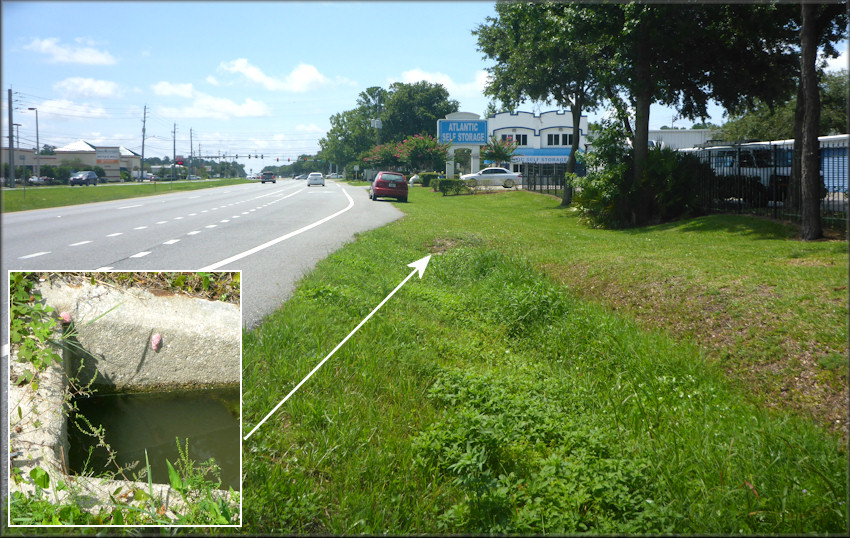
11	145
142	163
173	154
191	150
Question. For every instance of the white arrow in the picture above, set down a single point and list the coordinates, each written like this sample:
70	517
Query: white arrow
418	265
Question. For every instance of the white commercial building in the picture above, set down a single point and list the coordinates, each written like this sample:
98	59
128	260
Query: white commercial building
544	138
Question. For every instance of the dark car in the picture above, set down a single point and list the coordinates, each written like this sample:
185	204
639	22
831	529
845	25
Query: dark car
390	185
86	177
267	176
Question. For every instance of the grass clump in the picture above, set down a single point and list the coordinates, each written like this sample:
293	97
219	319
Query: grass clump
490	398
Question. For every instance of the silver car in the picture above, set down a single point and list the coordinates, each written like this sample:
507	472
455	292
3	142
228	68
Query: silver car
494	176
315	178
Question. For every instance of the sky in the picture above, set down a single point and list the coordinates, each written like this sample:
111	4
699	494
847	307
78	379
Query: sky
234	77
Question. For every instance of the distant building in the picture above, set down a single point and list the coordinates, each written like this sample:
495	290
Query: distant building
113	159
544	138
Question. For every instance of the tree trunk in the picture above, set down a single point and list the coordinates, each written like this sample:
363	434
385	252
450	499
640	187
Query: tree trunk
792	200
571	162
810	166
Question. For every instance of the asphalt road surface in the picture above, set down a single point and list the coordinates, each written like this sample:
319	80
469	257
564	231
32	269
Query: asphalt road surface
273	232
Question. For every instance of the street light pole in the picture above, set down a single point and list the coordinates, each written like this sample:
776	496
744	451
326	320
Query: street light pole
37	147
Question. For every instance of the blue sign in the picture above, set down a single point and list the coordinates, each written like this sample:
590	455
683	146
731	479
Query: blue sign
470	132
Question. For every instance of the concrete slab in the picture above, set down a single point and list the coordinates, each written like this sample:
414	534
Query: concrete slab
113	327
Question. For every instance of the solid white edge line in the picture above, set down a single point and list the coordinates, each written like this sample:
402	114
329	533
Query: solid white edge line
281	238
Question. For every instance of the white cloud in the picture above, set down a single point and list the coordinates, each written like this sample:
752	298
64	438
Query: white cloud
311	128
302	79
457	90
87	87
62	53
65	109
207	106
169	88
212	80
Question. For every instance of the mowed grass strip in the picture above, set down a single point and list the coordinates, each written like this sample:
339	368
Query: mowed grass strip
490	397
19	199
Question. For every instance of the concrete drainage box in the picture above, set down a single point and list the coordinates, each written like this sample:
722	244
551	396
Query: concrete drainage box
112	328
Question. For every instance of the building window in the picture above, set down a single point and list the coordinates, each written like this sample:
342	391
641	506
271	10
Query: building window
553	140
521	139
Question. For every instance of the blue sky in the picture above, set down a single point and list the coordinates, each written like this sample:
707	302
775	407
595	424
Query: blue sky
245	77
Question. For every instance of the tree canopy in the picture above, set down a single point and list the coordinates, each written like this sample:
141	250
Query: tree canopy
404	109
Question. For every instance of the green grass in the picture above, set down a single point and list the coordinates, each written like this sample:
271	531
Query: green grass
491	397
20	199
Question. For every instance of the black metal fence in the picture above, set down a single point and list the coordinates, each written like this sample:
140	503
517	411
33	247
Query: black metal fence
756	178
546	178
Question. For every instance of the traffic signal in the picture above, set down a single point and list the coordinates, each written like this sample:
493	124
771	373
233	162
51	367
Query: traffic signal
261	155
278	159
249	155
288	159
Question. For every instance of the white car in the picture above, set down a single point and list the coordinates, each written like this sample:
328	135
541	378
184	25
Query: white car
495	177
315	178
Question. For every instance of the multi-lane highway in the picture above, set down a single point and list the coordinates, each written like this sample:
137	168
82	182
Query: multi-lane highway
274	233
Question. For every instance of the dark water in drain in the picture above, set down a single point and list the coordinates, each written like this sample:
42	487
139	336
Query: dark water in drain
135	422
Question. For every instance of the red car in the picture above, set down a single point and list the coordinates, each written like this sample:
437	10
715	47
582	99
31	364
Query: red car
389	184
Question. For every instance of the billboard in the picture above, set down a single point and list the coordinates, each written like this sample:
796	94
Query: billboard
469	132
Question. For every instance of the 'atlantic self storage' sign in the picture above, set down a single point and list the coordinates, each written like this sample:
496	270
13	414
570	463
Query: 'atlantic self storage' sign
462	131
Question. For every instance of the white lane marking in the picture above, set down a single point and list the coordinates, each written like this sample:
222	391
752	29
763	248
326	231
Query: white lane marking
192	214
159	222
171	241
193	197
140	228
273	242
211	226
178	218
104	268
194	232
79	243
34	255
140	254
129	206
235	216
245	212
226	220
116	234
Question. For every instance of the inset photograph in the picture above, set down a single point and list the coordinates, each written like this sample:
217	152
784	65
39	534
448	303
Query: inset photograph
125	398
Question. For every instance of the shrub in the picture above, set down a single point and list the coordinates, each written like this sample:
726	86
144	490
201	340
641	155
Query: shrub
427	177
455	186
609	196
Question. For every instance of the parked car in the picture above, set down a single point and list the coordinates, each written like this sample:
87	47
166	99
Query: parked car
86	177
316	178
268	176
495	177
389	184
35	180
192	177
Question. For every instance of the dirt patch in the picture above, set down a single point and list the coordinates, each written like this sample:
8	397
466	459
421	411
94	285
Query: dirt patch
790	378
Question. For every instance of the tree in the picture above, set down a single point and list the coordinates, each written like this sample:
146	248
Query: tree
820	26
415	108
762	122
541	54
420	152
498	151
